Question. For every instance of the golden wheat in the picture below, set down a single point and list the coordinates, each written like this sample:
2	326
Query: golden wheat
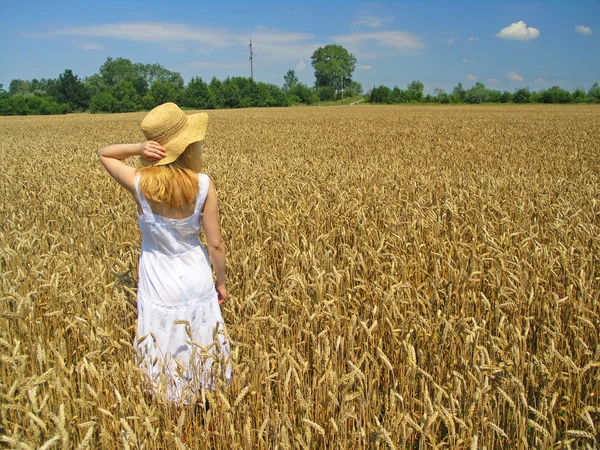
400	277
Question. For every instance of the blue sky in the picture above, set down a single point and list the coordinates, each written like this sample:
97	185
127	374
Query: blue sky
506	45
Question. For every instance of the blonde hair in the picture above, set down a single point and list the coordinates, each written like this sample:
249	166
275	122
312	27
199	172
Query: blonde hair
175	184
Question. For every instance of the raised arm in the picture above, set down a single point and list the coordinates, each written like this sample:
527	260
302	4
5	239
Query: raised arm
214	241
112	158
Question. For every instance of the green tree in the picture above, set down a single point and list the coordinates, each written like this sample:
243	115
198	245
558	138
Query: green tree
334	66
594	93
18	106
45	87
494	96
95	84
506	97
215	94
71	90
397	96
142	76
477	94
381	94
128	99
290	81
523	95
326	93
555	94
414	91
161	92
104	102
231	93
115	71
3	93
49	85
276	96
356	88
37	88
305	94
196	94
22	105
578	95
267	94
441	96
261	95
250	94
19	87
152	73
459	93
346	93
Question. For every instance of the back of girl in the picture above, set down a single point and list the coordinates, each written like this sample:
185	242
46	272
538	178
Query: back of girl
178	302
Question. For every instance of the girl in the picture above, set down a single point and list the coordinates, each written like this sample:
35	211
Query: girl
180	329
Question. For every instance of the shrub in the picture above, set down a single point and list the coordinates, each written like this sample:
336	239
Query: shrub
522	96
23	105
326	93
104	102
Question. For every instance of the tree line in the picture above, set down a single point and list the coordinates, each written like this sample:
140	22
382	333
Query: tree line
479	93
124	86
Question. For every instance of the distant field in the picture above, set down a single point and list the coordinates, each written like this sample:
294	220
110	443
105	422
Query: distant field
399	277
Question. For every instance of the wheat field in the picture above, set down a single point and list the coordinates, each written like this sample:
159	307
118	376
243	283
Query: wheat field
399	277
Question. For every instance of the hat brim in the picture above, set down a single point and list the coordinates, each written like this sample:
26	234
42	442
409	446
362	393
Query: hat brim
194	131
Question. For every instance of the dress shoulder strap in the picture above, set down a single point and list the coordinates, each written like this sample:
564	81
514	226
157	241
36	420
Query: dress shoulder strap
143	203
203	183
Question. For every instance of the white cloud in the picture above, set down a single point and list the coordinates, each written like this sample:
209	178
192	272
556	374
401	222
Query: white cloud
146	32
473	39
518	31
365	67
301	65
582	29
89	45
467	60
393	39
370	20
471	77
540	80
269	44
514	76
492	80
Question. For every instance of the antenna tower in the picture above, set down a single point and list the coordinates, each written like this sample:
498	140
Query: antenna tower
251	62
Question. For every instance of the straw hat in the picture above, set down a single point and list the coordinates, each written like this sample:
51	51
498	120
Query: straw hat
168	125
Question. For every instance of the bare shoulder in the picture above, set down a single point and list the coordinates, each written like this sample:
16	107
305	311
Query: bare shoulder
211	200
211	183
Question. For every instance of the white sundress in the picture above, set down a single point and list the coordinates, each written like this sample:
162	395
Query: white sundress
180	331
